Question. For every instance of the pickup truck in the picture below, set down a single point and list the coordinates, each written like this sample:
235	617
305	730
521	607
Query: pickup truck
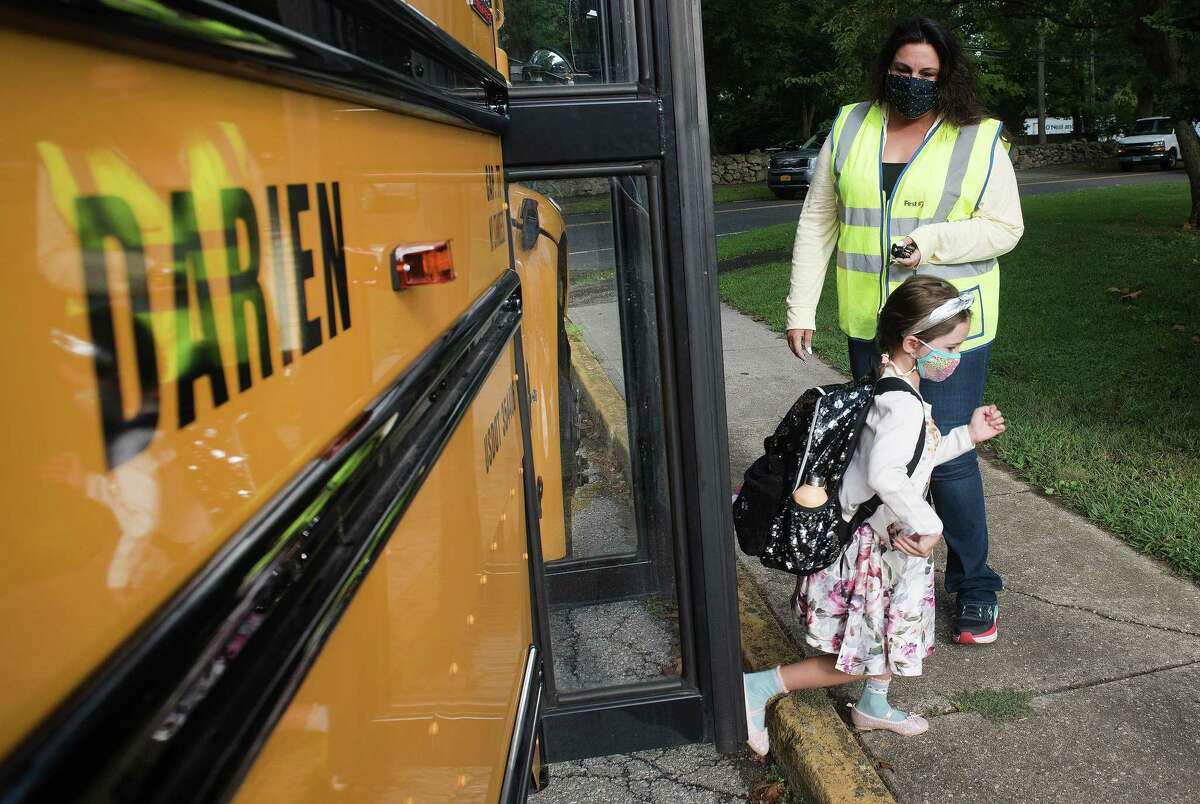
1151	142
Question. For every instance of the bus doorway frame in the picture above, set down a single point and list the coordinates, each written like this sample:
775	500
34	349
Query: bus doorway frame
661	117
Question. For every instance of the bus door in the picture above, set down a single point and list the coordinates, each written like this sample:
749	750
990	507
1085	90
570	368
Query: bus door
635	589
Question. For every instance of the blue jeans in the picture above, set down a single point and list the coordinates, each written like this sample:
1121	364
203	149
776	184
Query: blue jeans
957	485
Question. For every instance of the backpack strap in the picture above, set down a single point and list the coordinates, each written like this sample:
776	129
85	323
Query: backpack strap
868	508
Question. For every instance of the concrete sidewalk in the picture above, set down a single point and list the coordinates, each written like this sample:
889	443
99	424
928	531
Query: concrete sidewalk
1094	686
695	774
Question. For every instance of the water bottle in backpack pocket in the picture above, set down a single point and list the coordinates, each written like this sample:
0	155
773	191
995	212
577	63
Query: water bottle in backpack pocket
779	515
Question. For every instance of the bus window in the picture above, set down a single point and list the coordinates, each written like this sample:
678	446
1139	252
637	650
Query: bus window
611	596
568	42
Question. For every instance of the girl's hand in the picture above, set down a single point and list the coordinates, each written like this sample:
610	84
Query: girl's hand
917	546
986	423
912	260
800	342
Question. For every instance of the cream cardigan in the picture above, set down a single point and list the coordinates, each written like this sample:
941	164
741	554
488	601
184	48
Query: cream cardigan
880	464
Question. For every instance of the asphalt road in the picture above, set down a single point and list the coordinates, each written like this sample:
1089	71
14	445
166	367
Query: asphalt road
591	244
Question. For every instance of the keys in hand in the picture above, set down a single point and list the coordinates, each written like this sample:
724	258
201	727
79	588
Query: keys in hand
905	253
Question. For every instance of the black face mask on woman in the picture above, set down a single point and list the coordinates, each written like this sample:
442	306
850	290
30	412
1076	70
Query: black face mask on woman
910	96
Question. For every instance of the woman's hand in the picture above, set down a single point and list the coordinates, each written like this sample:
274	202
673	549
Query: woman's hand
800	341
917	546
912	260
986	423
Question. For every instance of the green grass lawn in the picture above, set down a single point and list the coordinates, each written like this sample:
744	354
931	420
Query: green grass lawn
586	204
769	239
593	278
1099	392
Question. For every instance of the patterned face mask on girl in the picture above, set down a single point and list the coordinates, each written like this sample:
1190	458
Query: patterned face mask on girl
938	365
911	96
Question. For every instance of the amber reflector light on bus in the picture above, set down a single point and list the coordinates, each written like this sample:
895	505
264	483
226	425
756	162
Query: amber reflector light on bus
422	264
483	8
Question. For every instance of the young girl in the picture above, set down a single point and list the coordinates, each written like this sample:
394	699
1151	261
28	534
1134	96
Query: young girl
871	612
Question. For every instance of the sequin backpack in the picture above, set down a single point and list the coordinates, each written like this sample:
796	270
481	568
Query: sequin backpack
817	437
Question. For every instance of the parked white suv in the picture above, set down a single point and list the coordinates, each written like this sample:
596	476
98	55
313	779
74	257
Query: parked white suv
1152	142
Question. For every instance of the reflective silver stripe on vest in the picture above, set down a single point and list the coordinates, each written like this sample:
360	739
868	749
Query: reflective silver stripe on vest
873	217
872	264
850	129
906	226
962	270
861	216
960	159
864	263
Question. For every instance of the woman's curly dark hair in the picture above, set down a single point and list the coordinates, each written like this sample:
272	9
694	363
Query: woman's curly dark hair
956	78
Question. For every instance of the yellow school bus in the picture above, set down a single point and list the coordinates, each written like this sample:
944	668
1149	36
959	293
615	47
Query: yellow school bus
282	405
292	436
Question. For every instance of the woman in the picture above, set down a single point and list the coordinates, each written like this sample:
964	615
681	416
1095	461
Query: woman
917	181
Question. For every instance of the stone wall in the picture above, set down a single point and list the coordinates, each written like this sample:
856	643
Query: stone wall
752	167
561	189
726	169
1061	153
740	168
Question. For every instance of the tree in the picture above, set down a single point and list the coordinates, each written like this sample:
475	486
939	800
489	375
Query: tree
768	70
1105	60
1165	35
1003	53
533	24
1170	38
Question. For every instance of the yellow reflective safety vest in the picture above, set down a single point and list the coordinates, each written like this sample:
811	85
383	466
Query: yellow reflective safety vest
944	181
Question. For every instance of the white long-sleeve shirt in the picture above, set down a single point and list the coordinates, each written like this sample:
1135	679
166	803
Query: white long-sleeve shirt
880	463
992	231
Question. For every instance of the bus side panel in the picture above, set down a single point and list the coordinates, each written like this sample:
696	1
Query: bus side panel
538	267
197	301
469	27
415	695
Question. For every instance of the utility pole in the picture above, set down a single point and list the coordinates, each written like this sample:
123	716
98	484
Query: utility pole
1041	84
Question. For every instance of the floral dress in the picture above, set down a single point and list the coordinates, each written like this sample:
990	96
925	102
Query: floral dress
874	607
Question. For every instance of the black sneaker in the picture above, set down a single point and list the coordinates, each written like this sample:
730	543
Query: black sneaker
975	623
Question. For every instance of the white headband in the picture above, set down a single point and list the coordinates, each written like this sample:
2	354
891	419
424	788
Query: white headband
943	312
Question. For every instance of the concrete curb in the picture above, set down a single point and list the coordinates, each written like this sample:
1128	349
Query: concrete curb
598	395
811	744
